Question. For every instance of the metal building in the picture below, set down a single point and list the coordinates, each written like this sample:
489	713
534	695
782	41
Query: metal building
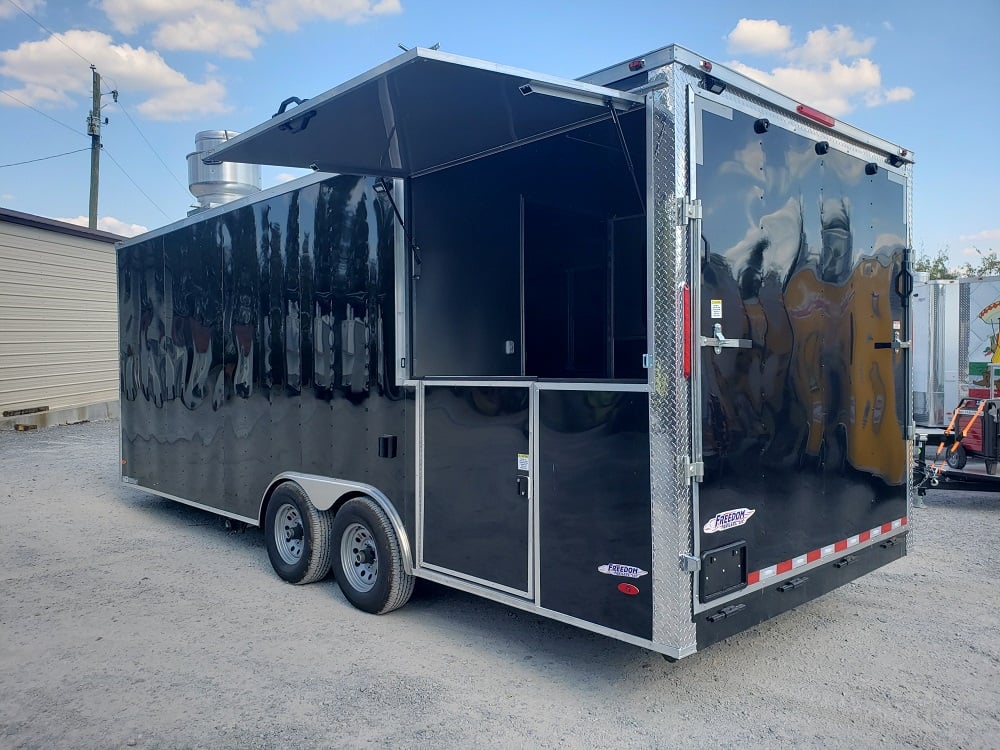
58	322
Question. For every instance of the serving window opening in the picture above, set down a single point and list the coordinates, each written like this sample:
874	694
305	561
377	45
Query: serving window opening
533	260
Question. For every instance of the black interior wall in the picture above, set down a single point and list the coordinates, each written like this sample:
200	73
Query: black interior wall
563	195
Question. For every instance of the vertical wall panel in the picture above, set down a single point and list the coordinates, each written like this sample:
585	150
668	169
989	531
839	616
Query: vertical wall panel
58	320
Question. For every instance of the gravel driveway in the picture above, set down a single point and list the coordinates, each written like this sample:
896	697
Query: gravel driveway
127	620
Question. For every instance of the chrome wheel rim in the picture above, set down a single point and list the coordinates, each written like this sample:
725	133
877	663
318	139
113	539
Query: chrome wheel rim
289	533
359	558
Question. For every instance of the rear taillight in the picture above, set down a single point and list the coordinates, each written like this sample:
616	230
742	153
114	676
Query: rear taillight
686	304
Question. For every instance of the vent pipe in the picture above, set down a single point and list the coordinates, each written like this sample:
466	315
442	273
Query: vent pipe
215	184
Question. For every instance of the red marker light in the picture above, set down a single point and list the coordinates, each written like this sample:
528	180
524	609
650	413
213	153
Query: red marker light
637	65
706	66
686	304
815	114
628	588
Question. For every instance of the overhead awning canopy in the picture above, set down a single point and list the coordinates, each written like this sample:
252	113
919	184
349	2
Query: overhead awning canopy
419	112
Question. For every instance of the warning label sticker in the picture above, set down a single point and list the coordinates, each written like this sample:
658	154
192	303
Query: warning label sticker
716	309
523	463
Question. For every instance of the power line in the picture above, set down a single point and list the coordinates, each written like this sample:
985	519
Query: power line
143	136
57	122
51	32
135	183
113	81
43	158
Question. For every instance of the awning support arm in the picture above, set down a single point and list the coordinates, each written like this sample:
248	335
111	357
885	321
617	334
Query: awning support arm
628	157
414	248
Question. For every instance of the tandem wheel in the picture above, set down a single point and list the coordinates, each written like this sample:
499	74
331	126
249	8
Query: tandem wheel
367	561
297	535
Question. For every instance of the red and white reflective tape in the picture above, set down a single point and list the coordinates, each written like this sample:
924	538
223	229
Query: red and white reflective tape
771	571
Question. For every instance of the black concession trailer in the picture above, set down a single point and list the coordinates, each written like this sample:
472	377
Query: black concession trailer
629	351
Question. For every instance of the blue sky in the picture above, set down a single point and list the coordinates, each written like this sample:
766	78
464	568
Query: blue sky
922	75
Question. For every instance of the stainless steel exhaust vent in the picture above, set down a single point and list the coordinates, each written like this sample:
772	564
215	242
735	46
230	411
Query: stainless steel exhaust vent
215	184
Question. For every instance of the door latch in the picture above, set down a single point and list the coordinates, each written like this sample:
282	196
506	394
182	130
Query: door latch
896	344
720	342
522	486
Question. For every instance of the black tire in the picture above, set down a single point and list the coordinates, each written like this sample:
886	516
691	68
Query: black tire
957	458
297	535
367	560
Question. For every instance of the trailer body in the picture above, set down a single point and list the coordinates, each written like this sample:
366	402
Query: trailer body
630	351
978	335
936	360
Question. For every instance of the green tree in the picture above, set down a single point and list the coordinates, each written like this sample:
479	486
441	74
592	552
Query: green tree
937	266
988	265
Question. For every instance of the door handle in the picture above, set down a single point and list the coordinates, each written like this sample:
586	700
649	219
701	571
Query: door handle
720	342
522	486
896	344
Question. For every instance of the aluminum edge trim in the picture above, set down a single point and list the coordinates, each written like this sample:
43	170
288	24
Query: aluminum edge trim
193	504
527	605
247	200
410	56
595	386
731	77
696	144
402	284
483	582
534	519
418	442
313	102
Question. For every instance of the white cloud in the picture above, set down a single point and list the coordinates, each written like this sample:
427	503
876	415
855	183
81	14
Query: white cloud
49	73
222	26
823	45
987	235
831	70
109	224
898	94
29	6
232	28
290	14
760	37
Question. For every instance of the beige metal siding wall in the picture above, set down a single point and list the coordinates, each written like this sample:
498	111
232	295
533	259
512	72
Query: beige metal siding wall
58	320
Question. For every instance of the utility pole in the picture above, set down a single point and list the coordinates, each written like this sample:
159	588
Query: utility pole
94	131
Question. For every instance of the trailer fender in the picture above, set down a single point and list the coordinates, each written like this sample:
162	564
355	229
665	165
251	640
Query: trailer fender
327	492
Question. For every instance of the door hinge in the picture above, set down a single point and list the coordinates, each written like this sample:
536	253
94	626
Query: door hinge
690	564
692	469
647	361
690	210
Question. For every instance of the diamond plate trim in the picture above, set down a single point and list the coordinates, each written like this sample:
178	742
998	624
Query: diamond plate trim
670	393
670	417
964	301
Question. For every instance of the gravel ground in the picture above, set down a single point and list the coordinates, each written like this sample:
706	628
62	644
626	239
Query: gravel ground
127	620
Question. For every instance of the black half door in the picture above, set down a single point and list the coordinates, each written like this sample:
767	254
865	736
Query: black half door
476	505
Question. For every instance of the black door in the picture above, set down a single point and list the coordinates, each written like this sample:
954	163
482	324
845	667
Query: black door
476	502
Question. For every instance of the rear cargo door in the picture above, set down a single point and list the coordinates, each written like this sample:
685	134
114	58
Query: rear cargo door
803	400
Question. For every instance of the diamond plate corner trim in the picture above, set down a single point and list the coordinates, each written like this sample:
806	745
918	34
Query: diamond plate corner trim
964	303
669	397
